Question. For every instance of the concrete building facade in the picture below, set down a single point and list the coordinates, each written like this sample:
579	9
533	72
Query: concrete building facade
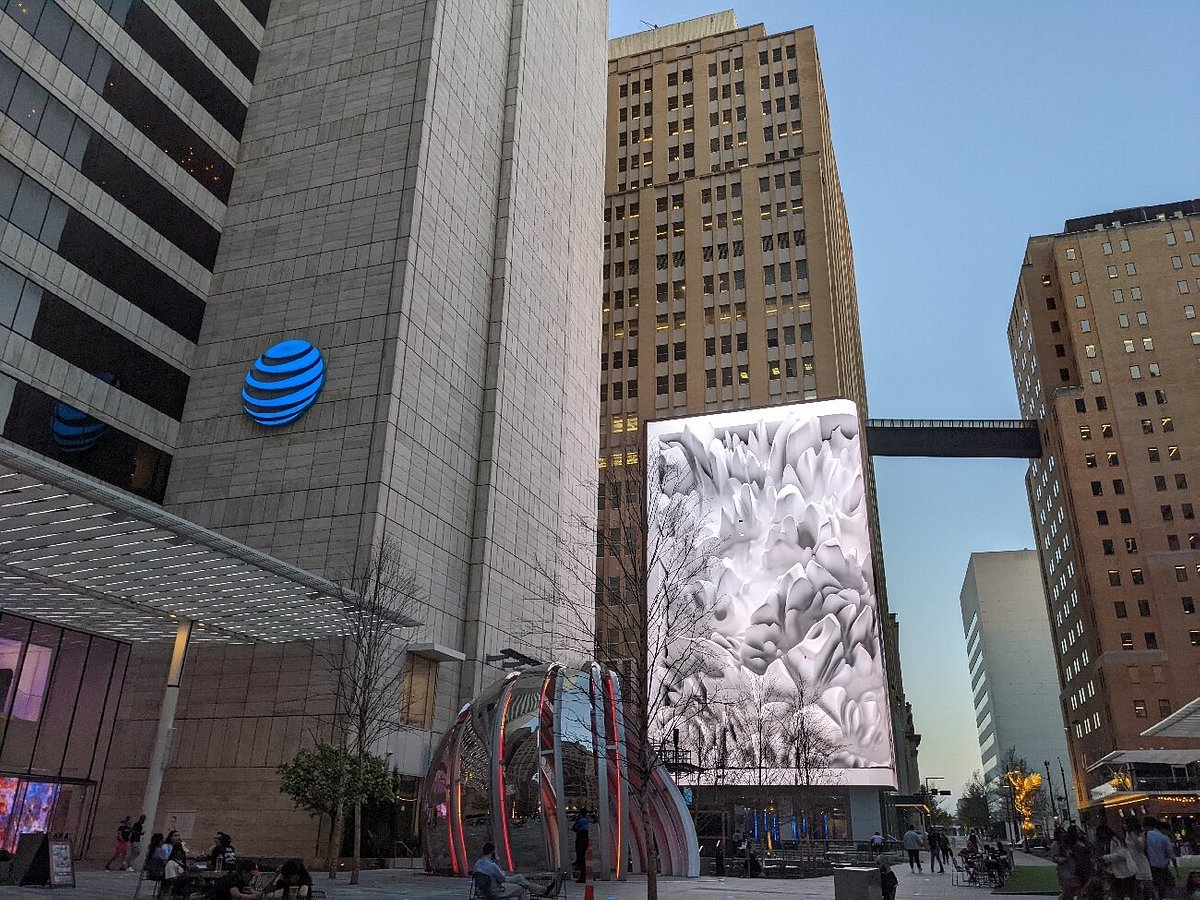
728	266
1104	346
1008	651
412	187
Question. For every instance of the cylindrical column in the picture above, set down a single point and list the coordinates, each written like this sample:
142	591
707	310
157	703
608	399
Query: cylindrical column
166	722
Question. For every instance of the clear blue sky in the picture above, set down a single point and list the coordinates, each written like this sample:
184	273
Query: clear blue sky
960	129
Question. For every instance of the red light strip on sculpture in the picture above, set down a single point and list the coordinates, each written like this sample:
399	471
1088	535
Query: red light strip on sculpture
612	704
508	861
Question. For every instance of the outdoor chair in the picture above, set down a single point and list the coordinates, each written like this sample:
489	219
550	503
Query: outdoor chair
481	886
959	876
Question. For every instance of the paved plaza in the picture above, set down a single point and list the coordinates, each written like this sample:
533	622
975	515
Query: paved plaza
400	884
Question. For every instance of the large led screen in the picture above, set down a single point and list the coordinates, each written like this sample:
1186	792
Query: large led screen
788	620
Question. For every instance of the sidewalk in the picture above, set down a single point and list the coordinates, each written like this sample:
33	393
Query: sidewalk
401	884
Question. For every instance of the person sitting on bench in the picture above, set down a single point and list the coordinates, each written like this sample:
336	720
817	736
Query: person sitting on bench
503	884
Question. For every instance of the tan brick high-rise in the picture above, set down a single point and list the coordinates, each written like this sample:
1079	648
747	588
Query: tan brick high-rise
1105	345
728	275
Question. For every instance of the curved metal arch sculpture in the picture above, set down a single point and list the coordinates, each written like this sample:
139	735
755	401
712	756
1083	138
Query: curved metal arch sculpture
531	750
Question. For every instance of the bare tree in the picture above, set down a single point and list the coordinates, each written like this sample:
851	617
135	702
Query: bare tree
381	602
651	552
815	743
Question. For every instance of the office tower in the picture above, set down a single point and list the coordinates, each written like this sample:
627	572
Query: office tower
1104	344
728	272
406	189
1008	652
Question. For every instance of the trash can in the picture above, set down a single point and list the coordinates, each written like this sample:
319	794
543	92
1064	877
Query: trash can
856	884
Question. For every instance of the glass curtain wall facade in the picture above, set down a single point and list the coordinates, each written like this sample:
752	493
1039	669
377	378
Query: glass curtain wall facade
113	192
60	692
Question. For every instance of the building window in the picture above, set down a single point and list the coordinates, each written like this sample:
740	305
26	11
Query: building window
1139	708
1181	573
1130	545
1114	578
1127	640
1189	608
1144	608
1119	608
1108	546
1194	636
419	680
1102	517
1151	640
1137	576
1124	516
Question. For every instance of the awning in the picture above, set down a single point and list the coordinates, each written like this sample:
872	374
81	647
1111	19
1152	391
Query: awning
1183	723
1166	757
79	553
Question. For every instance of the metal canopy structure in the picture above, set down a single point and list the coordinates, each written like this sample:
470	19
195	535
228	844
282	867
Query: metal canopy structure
1183	723
79	553
1161	757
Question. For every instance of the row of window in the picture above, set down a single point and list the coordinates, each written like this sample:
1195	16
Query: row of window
32	208
55	29
126	94
1160	484
729	375
30	105
1122	611
116	457
1164	705
55	325
1155	455
1167	511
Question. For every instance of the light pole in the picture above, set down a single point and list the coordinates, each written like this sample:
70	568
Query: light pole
1066	794
932	794
1050	784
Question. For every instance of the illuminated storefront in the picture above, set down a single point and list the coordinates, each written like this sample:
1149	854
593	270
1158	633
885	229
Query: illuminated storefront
60	691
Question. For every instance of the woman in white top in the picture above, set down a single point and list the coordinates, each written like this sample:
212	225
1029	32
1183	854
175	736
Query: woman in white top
1135	843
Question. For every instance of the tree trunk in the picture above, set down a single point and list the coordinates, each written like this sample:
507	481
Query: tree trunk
651	860
356	863
336	824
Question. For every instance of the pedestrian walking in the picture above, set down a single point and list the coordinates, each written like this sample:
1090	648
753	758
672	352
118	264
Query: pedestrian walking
1160	853
135	842
887	879
582	829
935	851
121	847
912	845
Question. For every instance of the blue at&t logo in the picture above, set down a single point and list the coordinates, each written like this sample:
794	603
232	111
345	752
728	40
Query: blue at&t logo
284	383
74	430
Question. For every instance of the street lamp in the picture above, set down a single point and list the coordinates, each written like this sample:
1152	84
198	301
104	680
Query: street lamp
1050	784
1066	795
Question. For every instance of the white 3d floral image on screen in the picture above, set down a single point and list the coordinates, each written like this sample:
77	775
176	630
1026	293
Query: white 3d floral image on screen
780	494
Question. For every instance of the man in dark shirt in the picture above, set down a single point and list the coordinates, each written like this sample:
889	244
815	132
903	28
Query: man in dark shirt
237	882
